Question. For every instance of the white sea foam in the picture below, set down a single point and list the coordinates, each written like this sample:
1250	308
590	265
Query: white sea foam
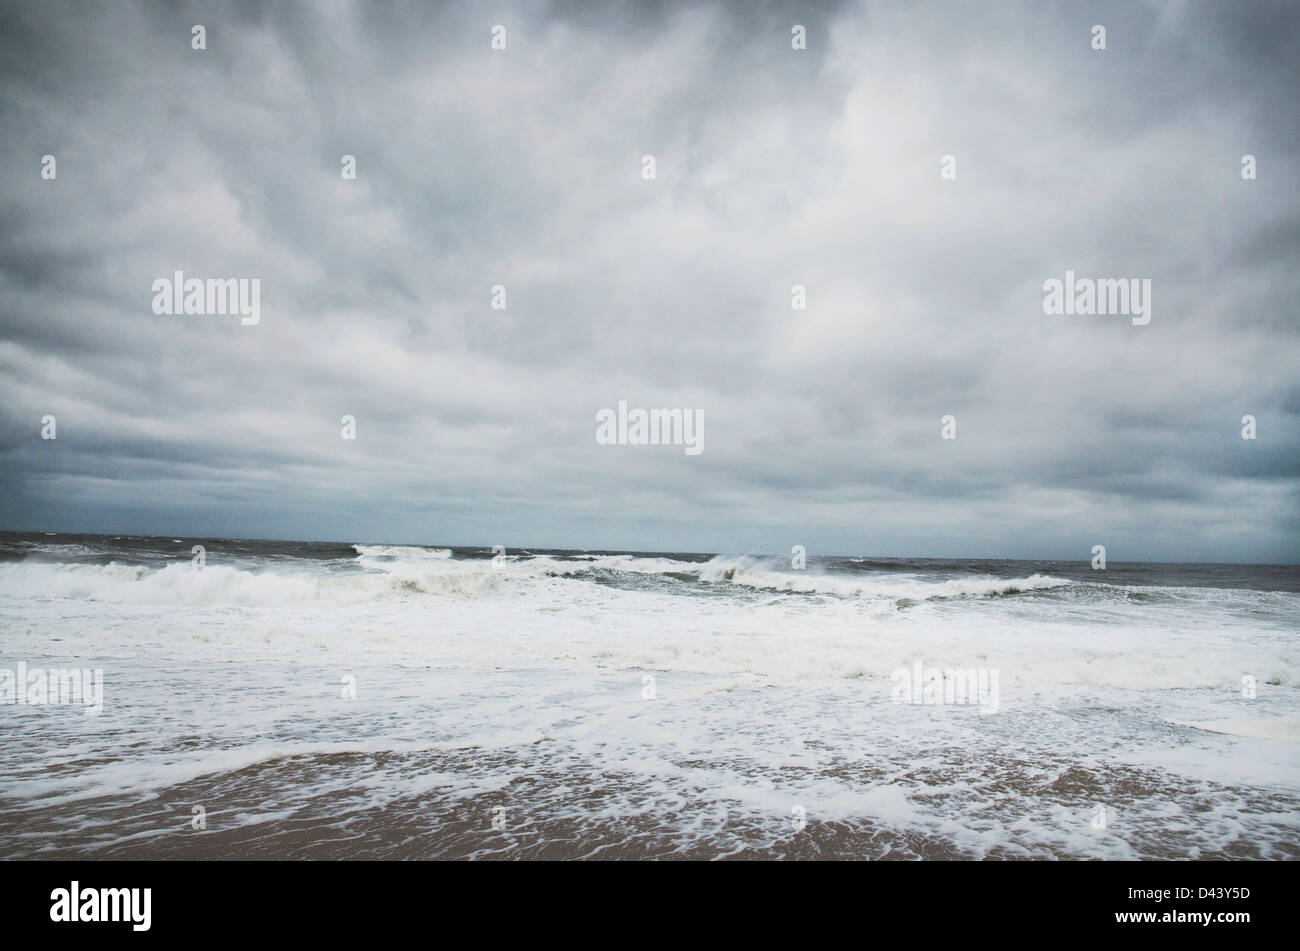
760	574
402	551
772	688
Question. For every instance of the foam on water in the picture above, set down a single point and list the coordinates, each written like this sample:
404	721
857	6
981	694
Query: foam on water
522	679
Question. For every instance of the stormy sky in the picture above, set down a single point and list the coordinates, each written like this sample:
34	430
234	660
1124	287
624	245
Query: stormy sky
774	167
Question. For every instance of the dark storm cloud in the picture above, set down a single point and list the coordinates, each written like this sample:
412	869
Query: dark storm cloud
775	167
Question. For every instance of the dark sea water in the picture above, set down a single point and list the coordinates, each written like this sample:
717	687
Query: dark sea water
338	700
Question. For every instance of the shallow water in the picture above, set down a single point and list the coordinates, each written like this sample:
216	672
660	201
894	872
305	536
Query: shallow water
518	691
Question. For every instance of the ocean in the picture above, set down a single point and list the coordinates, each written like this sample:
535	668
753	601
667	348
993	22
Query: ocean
338	700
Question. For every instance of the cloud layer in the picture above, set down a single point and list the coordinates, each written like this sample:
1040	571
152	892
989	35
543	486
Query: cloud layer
774	167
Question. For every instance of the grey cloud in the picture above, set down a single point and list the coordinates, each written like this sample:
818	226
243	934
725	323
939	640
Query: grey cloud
775	168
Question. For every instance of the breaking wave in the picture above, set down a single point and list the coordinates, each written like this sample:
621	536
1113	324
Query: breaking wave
380	571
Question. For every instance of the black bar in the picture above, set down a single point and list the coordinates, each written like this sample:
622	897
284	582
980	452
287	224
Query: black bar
945	900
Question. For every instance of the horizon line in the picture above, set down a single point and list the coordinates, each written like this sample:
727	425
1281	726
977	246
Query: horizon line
635	551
